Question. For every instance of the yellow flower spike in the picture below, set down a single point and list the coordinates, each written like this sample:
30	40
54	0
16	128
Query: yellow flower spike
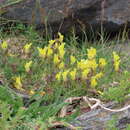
51	42
87	64
49	52
42	52
18	83
92	64
61	37
61	50
27	66
116	60
85	73
102	62
65	74
61	53
93	82
4	45
91	53
61	65
82	64
72	59
116	56
27	47
116	66
73	74
58	76
99	75
56	59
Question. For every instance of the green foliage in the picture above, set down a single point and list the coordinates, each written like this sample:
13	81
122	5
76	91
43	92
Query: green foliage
10	98
119	92
111	124
9	119
128	127
9	3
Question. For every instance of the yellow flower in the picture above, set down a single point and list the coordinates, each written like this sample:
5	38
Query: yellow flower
91	53
61	50
11	55
93	82
4	45
42	93
101	93
56	45
73	74
49	52
42	52
61	65
99	75
72	59
51	42
56	59
18	83
85	73
115	56
117	61
102	62
65	74
92	64
62	46
82	64
58	76
32	92
87	64
95	78
27	66
27	47
61	53
116	65
61	37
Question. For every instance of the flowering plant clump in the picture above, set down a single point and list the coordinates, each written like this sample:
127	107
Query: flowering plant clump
50	67
116	60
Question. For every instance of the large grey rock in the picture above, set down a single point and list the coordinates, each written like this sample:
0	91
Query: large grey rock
63	14
101	119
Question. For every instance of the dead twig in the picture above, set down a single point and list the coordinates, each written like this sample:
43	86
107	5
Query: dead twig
58	123
65	108
96	103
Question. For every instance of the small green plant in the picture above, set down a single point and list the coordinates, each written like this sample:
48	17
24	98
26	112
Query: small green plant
111	124
120	91
128	127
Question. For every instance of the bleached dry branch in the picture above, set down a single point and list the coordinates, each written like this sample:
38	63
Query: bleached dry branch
96	103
